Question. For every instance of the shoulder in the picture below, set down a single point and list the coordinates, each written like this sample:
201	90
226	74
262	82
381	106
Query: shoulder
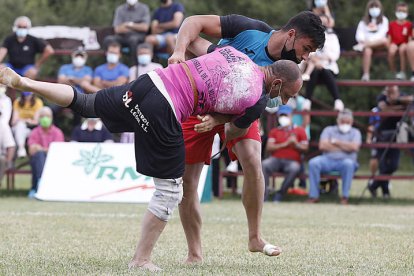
245	22
177	6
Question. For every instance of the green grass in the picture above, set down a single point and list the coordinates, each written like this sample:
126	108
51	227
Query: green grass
53	238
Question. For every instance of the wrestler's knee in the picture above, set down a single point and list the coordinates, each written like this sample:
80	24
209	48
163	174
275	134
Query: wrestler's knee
168	194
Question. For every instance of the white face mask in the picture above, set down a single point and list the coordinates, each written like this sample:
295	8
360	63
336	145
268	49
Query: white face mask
284	121
144	59
132	2
320	3
344	128
374	12
112	58
22	32
78	61
401	15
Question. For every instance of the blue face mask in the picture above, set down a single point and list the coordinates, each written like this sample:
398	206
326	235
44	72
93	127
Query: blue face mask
21	32
144	59
112	58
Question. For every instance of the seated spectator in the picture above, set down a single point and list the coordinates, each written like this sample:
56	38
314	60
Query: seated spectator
399	33
25	118
410	53
39	142
322	67
371	34
165	24
321	7
92	130
389	158
7	148
131	24
340	145
145	65
112	73
285	143
22	48
5	106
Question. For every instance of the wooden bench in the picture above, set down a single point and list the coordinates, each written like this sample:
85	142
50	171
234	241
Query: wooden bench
11	174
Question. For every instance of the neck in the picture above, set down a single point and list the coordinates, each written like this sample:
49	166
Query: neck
275	45
267	77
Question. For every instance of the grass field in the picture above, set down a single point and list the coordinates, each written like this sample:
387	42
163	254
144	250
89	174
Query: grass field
371	238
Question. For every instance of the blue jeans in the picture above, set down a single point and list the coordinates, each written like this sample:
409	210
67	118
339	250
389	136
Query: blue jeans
37	162
322	164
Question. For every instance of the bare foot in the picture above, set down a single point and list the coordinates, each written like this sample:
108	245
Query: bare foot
193	260
260	245
149	266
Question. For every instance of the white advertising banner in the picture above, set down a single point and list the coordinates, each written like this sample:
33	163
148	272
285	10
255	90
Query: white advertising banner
96	172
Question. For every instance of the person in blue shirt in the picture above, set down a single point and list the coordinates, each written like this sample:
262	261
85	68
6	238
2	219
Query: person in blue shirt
303	34
165	24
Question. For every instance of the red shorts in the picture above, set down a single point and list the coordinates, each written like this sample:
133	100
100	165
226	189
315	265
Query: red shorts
198	145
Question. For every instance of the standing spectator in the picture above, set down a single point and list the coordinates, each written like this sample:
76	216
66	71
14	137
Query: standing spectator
398	34
39	142
5	106
321	7
371	34
145	65
322	66
372	130
7	148
340	145
386	133
112	73
25	118
92	130
22	48
165	24
285	143
131	24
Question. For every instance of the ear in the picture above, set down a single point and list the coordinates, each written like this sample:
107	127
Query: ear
275	82
291	33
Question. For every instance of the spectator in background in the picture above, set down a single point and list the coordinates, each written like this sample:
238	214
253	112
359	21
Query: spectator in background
373	124
322	66
165	24
92	130
7	148
371	34
5	106
340	145
410	53
286	143
112	73
39	142
398	34
25	118
131	24
321	7
144	59
22	48
392	100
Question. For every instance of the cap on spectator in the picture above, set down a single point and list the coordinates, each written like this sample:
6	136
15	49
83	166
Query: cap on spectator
285	110
79	52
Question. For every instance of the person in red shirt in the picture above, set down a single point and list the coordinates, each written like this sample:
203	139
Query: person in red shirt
399	32
285	143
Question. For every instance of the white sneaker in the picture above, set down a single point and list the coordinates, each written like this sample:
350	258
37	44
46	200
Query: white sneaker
339	105
233	167
21	153
305	77
358	47
400	76
365	77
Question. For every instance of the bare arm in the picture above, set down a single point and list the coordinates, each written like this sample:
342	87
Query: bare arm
48	51
209	121
347	146
3	53
119	81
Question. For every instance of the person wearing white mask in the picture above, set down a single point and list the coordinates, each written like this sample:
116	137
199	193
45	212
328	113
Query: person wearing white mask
399	34
112	73
144	62
371	34
22	48
285	143
321	7
339	145
76	72
131	24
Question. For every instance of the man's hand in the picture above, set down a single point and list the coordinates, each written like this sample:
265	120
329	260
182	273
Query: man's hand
208	122
176	57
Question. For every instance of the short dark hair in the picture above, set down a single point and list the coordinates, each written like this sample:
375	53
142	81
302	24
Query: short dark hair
401	4
307	24
287	70
114	44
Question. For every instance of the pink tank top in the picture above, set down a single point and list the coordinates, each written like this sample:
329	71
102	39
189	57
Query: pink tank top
227	82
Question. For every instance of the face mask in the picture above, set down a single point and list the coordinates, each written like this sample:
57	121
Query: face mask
320	3
284	121
374	12
344	128
112	58
401	15
132	2
21	32
144	59
78	61
45	121
289	55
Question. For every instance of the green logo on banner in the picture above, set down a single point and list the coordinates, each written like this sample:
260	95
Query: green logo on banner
91	159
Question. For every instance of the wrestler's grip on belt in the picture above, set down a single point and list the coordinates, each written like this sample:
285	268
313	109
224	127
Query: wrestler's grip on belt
209	121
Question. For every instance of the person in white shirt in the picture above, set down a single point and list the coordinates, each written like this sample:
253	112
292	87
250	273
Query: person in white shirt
6	106
144	60
7	148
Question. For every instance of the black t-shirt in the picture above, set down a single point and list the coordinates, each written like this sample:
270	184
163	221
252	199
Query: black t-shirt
387	123
22	54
